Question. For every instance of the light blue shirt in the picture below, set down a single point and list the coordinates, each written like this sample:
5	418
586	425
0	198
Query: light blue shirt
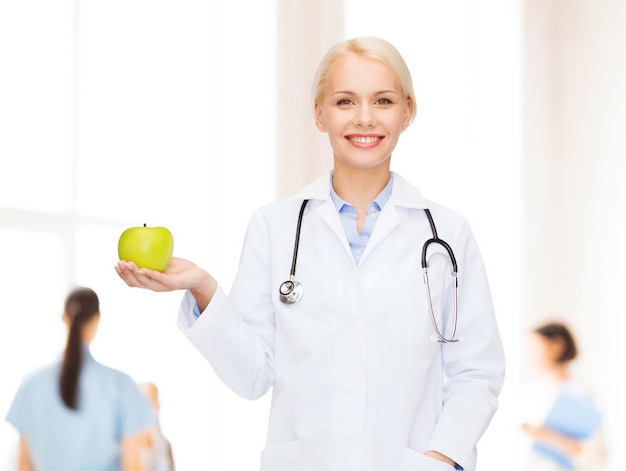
60	439
347	214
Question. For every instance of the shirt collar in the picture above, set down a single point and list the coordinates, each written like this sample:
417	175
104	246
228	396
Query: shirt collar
403	193
379	202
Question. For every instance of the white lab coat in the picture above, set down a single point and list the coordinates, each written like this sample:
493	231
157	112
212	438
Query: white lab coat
359	381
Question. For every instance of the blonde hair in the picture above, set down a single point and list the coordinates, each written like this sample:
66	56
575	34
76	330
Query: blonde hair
367	47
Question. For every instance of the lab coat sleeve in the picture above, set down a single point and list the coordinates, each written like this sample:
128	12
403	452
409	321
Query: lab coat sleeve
474	367
235	333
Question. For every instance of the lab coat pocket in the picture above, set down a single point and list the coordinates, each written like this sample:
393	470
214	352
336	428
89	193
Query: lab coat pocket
416	461
409	314
283	457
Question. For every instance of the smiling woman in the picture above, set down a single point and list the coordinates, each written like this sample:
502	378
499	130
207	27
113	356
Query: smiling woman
333	407
381	112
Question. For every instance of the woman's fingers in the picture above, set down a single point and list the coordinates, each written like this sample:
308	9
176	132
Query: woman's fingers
154	280
126	273
179	274
135	277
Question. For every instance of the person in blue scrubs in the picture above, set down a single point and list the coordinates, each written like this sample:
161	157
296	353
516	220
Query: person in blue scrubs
77	414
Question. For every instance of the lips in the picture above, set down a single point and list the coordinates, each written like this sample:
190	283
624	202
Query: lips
364	140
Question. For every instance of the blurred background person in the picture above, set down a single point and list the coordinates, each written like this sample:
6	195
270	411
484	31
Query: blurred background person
156	454
77	414
562	424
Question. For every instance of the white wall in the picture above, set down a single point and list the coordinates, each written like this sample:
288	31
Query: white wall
305	31
574	197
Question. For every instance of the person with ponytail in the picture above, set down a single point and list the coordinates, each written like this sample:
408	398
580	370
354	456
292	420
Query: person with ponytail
77	414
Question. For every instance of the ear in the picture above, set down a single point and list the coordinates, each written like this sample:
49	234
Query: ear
319	118
407	113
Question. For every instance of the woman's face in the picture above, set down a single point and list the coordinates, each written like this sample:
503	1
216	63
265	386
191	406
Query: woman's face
363	110
545	352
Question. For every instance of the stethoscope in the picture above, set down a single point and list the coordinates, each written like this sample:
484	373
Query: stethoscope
291	291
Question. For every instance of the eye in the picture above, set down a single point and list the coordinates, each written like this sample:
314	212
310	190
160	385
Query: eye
384	101
344	101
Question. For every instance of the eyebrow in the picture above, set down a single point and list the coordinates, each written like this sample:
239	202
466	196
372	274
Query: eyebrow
349	92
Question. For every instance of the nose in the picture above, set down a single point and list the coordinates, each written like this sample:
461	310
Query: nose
365	116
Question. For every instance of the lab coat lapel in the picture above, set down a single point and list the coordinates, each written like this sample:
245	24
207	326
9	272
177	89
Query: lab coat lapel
404	195
387	220
329	213
319	192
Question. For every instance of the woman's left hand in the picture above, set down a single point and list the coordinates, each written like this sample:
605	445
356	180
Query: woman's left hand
438	456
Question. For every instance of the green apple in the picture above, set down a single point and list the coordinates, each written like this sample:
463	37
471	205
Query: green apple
148	247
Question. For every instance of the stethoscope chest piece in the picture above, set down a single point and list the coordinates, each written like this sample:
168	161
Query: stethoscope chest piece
290	292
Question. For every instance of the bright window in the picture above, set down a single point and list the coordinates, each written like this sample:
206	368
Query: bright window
115	114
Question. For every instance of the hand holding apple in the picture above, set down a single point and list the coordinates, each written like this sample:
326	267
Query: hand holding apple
179	274
147	247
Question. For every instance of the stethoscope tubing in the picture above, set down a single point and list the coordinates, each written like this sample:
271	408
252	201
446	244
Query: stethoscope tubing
296	244
291	291
436	240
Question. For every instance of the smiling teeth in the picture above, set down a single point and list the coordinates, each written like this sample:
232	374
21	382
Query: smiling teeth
364	140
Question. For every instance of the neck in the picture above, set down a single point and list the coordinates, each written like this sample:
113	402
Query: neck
360	187
559	371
